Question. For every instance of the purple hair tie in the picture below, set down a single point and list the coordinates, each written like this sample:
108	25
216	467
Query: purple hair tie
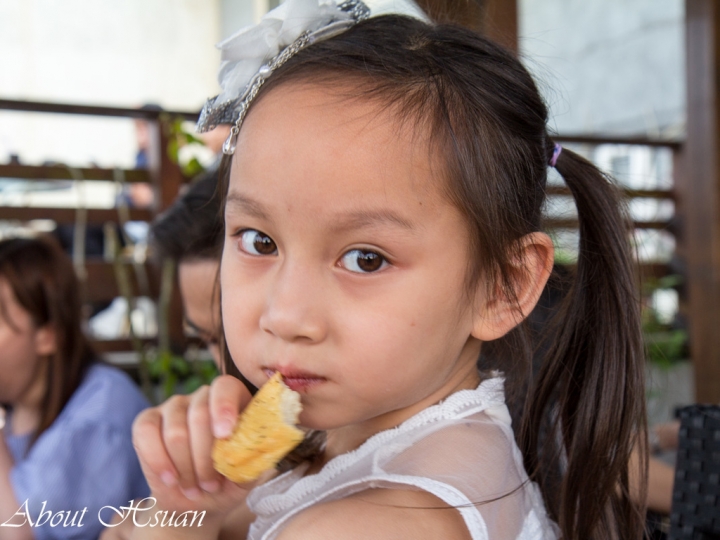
556	155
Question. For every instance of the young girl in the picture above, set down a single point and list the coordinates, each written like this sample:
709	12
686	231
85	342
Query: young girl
66	446
382	214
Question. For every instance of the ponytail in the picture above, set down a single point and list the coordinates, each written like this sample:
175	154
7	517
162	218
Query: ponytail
593	372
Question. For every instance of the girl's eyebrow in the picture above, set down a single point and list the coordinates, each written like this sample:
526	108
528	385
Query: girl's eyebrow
345	221
367	218
240	203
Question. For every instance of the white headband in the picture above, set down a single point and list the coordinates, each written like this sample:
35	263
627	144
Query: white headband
250	56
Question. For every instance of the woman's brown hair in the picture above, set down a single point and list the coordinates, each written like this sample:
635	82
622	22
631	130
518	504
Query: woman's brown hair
43	281
487	123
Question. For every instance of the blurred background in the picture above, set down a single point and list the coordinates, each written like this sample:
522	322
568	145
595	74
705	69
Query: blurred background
98	99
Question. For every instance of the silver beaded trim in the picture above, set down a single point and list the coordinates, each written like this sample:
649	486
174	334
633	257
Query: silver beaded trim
233	111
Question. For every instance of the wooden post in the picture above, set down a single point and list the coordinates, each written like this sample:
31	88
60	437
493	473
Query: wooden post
700	193
167	180
166	176
500	22
496	19
467	13
678	263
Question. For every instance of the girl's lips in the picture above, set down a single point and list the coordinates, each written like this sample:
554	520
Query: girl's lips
299	381
301	384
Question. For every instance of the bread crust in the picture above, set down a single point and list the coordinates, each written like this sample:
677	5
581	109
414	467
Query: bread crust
261	438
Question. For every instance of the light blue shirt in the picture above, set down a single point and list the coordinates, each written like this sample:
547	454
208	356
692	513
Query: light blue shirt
85	459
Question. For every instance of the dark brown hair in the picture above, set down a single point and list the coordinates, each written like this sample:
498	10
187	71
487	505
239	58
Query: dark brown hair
191	229
43	281
487	123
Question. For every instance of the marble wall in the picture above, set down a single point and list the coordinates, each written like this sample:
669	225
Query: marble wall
608	66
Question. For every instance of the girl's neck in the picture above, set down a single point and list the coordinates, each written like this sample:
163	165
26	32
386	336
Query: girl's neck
24	420
348	438
26	411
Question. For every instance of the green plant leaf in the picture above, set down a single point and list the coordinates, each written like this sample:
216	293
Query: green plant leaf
173	149
190	138
193	168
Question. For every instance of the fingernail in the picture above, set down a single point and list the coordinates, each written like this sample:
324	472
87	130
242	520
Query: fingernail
211	486
223	429
192	493
168	479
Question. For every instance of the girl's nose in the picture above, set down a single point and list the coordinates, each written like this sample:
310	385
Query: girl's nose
293	309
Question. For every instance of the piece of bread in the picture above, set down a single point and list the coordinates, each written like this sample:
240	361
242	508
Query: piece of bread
264	434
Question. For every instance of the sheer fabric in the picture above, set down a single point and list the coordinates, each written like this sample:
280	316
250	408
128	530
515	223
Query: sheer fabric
461	450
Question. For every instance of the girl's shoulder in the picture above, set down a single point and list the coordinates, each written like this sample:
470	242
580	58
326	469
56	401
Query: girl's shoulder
106	395
379	514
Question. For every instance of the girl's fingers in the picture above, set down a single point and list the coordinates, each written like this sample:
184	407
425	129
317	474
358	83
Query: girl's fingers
201	440
174	441
150	447
228	396
176	435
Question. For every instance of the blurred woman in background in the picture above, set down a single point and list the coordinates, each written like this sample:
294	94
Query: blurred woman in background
66	443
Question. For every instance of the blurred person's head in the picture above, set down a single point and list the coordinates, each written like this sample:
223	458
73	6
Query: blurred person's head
142	126
141	194
191	233
43	351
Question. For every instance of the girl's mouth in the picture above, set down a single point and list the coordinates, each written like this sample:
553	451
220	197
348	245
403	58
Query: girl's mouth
299	381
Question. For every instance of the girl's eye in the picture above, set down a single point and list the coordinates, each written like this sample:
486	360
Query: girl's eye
363	261
256	243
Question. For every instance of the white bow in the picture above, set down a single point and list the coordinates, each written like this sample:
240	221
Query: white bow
249	48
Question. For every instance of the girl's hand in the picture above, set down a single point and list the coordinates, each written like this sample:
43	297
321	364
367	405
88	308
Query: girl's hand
174	443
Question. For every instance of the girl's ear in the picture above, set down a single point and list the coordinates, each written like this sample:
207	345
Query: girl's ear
45	340
532	266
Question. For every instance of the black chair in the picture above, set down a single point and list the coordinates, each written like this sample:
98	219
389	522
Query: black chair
696	492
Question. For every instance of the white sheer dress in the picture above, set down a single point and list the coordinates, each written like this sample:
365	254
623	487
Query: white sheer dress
461	450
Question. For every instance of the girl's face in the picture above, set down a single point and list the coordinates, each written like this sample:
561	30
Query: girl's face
197	279
22	347
344	265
